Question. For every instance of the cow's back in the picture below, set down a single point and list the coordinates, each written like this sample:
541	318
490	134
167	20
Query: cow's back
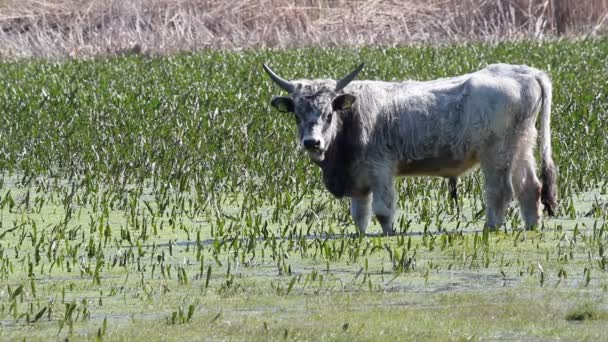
418	124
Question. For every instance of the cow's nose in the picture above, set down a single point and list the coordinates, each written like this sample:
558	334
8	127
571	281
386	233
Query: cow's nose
310	144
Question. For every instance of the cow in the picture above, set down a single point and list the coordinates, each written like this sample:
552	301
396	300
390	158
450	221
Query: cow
362	134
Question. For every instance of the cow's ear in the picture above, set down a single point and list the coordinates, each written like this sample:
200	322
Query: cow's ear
343	102
283	104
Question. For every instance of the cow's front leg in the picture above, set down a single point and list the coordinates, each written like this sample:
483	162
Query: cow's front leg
383	203
361	211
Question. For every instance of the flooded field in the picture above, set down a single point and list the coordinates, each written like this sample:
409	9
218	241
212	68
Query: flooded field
162	198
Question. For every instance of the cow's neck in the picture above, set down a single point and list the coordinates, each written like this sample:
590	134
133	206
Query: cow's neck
342	153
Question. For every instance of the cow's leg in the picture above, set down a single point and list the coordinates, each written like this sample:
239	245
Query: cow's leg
527	187
496	167
527	190
361	211
453	185
498	194
383	203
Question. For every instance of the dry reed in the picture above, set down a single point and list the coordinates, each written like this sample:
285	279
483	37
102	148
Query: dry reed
82	28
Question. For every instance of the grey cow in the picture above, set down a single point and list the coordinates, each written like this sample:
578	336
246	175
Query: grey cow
364	133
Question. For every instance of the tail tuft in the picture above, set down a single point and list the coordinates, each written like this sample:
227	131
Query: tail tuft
548	195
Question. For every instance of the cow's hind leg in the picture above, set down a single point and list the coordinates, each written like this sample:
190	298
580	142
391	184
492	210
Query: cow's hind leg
498	193
453	188
496	168
527	186
361	211
453	185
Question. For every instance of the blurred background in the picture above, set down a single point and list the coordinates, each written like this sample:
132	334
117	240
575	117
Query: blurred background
81	28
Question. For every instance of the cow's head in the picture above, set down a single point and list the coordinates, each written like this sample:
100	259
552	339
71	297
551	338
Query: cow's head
315	105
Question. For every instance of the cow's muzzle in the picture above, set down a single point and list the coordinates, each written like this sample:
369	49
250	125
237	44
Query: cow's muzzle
314	147
311	144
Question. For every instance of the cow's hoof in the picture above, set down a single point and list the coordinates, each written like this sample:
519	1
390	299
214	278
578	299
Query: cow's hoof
532	227
490	228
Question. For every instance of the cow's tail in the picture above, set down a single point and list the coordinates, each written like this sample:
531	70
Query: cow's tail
548	171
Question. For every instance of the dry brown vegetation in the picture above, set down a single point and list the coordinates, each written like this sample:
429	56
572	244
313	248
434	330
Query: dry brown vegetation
56	28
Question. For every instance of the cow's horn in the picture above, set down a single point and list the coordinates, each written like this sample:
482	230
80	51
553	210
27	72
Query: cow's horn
286	85
343	82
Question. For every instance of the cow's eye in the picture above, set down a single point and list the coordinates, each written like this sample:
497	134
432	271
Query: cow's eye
298	120
329	117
